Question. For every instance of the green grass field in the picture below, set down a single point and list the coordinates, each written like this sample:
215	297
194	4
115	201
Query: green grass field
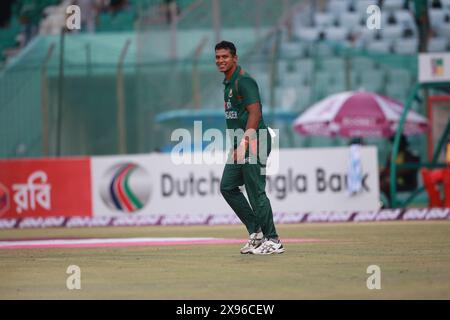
414	258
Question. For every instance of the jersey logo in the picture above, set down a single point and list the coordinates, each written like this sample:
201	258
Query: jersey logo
230	95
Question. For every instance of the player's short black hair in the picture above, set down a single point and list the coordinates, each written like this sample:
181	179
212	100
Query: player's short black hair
226	45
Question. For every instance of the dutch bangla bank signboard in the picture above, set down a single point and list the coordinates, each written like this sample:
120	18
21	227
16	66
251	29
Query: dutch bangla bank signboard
310	180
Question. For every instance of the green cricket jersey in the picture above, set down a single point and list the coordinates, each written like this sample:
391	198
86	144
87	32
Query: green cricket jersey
256	212
247	93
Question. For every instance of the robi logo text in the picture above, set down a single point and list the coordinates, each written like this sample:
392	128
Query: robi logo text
4	199
125	187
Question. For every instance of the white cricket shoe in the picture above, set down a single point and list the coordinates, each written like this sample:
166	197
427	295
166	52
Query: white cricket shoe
269	247
254	241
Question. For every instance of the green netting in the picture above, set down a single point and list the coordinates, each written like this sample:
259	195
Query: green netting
30	97
192	80
43	114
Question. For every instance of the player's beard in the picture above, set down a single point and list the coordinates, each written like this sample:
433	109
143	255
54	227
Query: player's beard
227	68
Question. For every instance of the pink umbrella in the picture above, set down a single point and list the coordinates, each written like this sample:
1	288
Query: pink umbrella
357	114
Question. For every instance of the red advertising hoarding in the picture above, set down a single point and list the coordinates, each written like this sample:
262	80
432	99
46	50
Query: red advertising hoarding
45	187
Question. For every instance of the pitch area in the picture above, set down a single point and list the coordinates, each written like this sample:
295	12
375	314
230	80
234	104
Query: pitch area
326	261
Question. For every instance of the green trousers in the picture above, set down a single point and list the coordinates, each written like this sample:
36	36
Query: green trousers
258	214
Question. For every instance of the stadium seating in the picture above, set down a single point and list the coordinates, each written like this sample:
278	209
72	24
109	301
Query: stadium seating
362	5
343	22
405	46
323	19
349	20
393	4
292	50
287	97
444	30
336	33
310	65
392	32
438	44
307	34
381	46
338	6
404	16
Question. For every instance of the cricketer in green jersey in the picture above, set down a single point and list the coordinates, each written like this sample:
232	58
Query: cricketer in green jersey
243	112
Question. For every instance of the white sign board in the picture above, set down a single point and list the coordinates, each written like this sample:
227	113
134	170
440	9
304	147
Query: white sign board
307	180
434	67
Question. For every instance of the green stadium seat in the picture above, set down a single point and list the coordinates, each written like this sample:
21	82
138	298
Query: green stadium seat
333	64
307	34
291	79
361	63
322	79
286	98
438	44
334	89
324	19
380	46
392	32
399	76
372	80
292	50
393	4
444	30
323	49
405	46
362	5
350	20
436	17
338	6
336	34
304	97
253	67
403	16
397	91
